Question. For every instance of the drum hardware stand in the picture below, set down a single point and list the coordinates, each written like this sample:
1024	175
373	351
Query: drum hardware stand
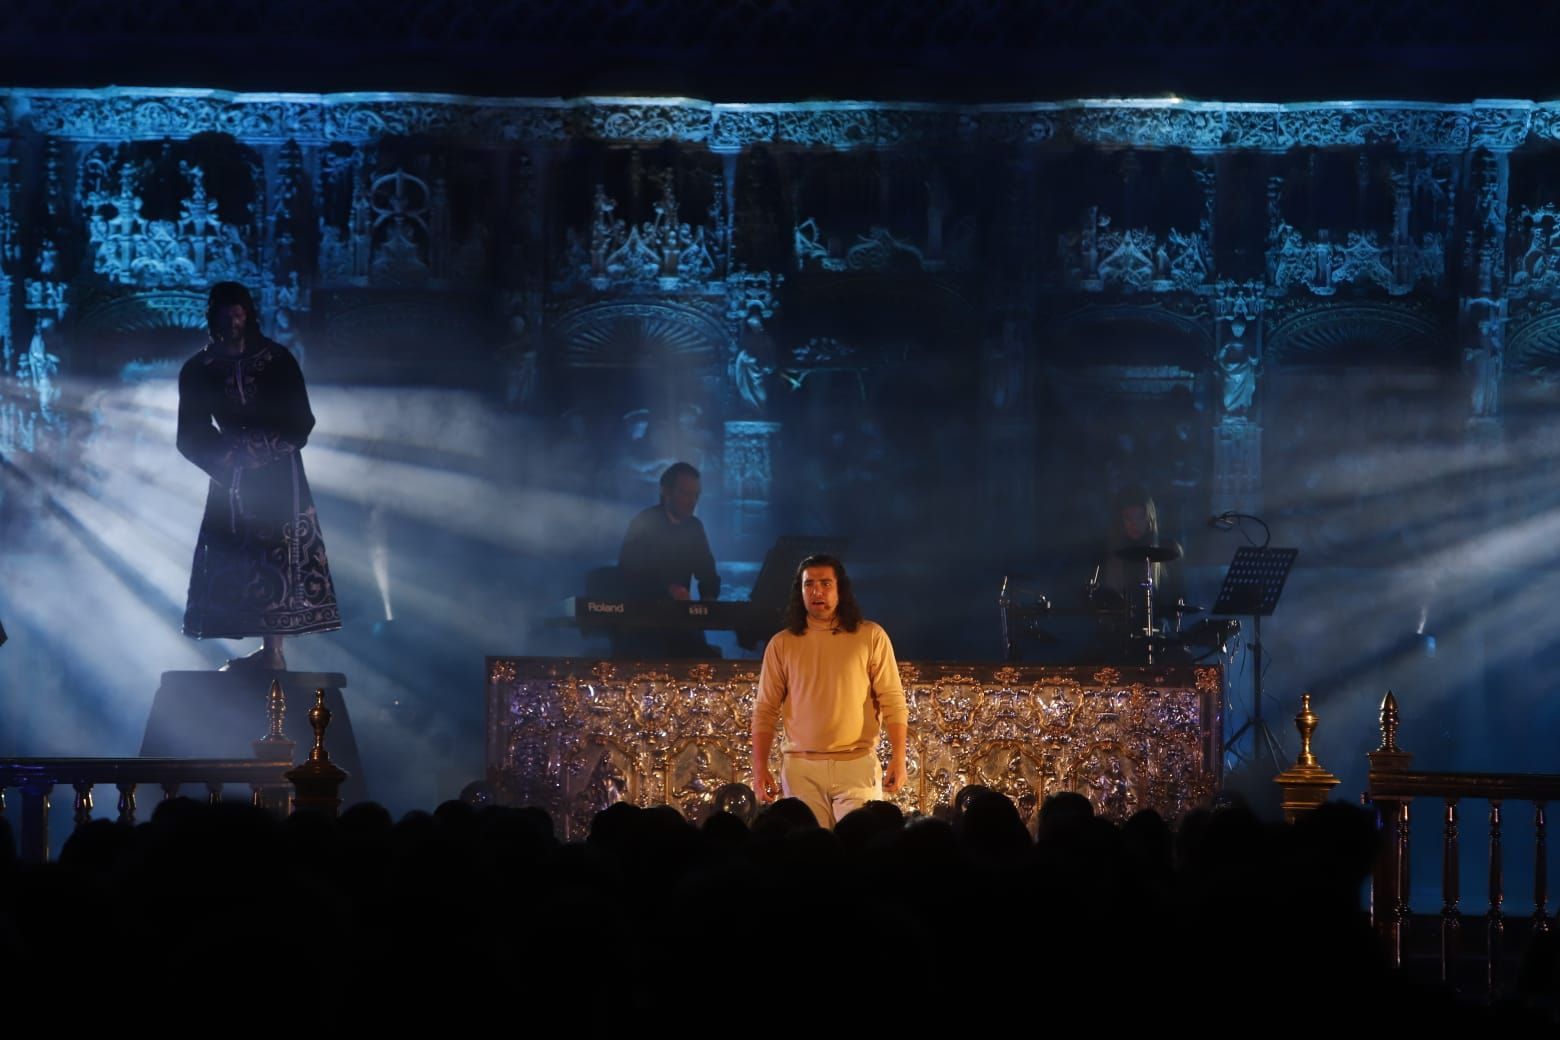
1150	555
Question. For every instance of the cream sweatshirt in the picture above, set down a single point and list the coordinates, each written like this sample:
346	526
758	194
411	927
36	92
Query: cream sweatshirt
833	689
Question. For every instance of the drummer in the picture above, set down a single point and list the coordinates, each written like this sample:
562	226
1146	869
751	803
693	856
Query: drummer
1134	525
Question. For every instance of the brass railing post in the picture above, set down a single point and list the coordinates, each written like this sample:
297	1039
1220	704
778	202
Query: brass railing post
1540	871
83	807
1451	916
1497	916
127	803
1390	885
35	820
274	747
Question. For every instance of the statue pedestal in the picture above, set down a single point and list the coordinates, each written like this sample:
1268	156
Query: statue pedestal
221	714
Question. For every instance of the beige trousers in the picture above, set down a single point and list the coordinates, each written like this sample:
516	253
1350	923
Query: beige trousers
832	787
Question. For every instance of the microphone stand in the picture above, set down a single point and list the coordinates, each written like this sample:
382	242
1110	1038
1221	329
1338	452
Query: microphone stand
1009	651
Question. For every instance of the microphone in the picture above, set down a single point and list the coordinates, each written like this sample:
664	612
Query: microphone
1223	521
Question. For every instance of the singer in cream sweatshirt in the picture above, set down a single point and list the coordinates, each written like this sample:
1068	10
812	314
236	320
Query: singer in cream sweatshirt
831	679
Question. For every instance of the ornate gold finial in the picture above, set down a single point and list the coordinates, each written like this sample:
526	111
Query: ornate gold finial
274	746
1389	723
317	783
1305	784
1305	722
319	718
275	711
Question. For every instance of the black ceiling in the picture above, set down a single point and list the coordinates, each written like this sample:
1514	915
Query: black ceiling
732	50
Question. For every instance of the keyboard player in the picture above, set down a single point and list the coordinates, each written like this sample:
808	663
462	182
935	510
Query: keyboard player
664	551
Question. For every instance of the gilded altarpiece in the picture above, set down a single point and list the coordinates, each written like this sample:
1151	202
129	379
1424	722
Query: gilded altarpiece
574	736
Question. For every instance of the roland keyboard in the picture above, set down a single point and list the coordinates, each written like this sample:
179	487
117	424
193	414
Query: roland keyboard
716	614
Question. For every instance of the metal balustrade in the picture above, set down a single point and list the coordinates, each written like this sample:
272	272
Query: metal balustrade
1393	786
274	782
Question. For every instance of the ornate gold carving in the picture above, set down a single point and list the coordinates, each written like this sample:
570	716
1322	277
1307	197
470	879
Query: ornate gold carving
677	732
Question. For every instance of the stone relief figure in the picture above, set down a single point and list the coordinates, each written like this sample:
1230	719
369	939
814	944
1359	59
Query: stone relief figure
1161	263
521	363
811	248
1481	362
753	363
1237	366
603	228
1480	366
38	367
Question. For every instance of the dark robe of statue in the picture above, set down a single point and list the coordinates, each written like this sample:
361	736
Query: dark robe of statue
260	567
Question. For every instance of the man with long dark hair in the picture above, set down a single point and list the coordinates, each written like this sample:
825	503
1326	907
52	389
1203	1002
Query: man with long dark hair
260	566
830	676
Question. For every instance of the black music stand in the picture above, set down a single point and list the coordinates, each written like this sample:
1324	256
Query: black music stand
1251	588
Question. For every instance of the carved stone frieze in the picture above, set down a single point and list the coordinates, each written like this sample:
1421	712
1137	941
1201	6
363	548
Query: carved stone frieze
749	460
1535	250
1098	256
830	126
1545	123
665	251
1500	127
130	249
119	114
1430	128
1168	125
647	120
360	120
1321	265
143	113
736	127
575	738
877	250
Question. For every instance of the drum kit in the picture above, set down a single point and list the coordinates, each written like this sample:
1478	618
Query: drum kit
1126	629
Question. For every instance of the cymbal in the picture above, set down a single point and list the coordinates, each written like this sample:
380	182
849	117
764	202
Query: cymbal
1150	553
